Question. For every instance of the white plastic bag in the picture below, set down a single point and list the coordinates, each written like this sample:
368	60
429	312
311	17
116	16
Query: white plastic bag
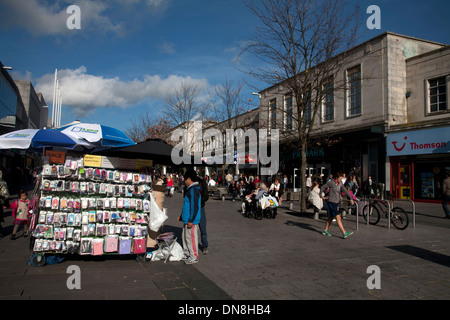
157	217
176	253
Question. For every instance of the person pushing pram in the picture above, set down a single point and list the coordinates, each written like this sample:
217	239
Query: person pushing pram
252	206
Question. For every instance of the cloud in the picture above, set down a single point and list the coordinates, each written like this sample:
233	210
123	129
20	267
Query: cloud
85	92
41	17
167	48
157	6
47	17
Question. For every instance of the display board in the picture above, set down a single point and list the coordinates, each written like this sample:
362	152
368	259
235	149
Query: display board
91	210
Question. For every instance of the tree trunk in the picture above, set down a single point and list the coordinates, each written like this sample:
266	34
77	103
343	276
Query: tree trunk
304	163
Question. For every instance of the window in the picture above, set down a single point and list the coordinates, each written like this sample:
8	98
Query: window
438	94
288	110
328	104
354	92
273	113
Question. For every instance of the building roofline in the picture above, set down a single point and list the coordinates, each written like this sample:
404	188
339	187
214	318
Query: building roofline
446	48
382	35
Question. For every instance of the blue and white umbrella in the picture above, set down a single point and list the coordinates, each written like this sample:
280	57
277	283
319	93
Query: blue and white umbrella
96	135
35	138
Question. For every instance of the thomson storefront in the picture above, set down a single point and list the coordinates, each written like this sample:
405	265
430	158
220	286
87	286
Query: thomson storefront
418	162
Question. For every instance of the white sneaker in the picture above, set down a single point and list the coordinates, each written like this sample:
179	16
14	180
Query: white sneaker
190	261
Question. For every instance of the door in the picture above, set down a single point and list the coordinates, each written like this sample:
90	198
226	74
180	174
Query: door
405	182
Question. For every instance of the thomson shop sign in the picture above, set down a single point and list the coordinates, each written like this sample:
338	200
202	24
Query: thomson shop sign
418	142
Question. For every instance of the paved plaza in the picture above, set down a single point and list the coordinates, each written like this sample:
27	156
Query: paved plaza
287	258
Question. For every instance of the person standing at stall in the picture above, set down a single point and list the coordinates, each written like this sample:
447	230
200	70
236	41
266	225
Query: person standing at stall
190	216
202	224
21	214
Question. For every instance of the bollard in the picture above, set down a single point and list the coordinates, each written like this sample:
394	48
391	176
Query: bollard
291	205
316	215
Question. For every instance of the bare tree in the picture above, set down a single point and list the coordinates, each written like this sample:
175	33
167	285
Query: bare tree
226	103
184	104
300	45
137	130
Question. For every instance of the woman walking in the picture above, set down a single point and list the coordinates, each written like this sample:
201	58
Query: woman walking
334	197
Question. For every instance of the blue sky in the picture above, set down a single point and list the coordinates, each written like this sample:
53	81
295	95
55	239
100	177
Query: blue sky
131	54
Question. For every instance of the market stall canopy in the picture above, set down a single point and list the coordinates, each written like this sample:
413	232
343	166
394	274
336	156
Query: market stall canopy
93	134
155	149
35	138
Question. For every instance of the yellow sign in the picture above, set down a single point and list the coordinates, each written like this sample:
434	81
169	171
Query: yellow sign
92	161
405	193
143	163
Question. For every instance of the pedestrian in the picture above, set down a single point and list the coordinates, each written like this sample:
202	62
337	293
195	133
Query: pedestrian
202	224
257	181
315	197
4	195
21	214
234	189
446	195
190	216
370	187
261	191
212	182
276	191
334	196
308	184
169	185
229	179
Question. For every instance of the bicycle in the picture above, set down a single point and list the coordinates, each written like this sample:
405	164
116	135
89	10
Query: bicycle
398	216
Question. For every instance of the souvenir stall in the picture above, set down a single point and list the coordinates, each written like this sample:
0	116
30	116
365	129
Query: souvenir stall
93	205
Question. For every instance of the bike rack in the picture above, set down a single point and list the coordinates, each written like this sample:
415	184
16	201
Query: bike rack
389	202
413	209
357	214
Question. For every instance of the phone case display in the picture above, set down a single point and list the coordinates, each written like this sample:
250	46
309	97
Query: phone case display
92	211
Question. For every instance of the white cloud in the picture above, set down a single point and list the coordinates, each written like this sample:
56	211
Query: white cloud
47	17
43	18
167	47
85	92
158	5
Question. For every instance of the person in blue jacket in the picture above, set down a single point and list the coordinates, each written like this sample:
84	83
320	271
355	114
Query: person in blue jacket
190	216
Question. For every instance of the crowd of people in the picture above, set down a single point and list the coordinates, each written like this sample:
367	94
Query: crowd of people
322	194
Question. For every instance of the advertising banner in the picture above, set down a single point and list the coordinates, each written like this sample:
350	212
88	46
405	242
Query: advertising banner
415	142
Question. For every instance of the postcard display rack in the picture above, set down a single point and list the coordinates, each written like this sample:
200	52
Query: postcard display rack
91	211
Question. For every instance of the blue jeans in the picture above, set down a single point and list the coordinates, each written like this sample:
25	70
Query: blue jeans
445	205
202	225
